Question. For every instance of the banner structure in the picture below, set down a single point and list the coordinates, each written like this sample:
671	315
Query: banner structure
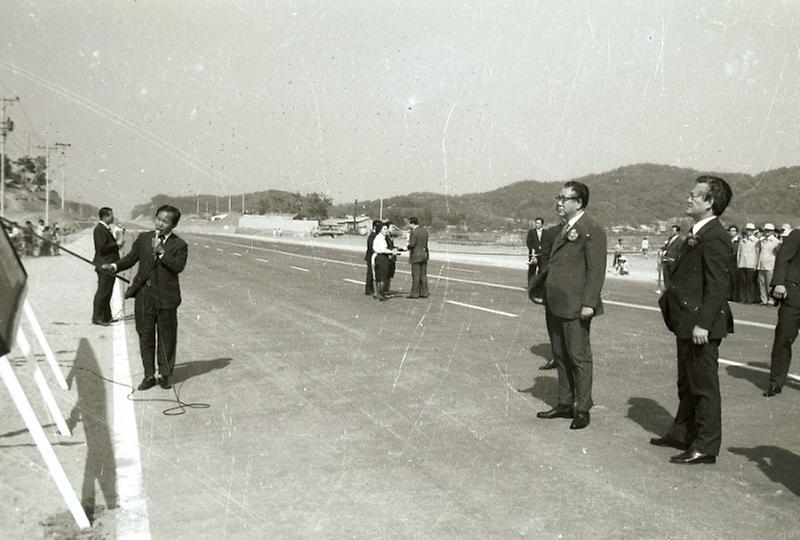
49	456
44	345
41	383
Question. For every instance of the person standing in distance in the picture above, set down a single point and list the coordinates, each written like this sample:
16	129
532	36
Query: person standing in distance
575	276
418	257
106	250
369	284
534	243
161	256
786	290
695	309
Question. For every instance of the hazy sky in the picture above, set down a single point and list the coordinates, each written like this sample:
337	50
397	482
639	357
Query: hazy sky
362	99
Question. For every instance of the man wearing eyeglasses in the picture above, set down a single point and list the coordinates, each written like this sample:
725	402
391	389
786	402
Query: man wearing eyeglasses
573	283
695	309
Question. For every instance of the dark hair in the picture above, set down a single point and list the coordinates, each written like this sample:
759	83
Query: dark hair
539	219
677	228
176	214
734	227
104	212
413	221
376	225
581	191
718	191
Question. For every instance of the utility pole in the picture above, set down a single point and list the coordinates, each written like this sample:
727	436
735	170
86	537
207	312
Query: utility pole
381	218
47	181
242	203
216	204
62	146
355	223
229	204
6	126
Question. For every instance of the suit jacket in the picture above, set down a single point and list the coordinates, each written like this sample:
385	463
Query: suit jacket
106	249
534	243
748	252
700	284
156	277
418	245
671	249
370	239
536	288
577	269
787	268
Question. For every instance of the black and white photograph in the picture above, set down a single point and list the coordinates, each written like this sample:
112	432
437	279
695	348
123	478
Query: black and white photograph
399	269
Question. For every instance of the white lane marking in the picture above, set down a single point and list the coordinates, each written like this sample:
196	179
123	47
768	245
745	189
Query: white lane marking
132	517
301	269
207	247
496	312
487	284
263	260
754	368
461	270
355	281
657	310
219	249
236	254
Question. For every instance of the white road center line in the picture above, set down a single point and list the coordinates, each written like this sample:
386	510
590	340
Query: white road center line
207	247
496	312
461	270
754	368
219	249
355	281
131	517
301	269
262	260
236	254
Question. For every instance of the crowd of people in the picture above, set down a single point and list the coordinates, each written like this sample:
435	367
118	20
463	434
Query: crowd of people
35	239
753	252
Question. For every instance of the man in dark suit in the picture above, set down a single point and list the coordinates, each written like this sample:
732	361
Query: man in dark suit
418	257
369	286
536	291
695	308
669	251
574	281
786	290
534	243
161	255
106	250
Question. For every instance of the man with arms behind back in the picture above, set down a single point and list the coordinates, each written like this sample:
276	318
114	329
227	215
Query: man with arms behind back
106	250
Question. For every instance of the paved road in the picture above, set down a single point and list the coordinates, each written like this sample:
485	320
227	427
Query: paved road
331	414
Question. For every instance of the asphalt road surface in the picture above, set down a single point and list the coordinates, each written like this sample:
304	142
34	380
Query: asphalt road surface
330	414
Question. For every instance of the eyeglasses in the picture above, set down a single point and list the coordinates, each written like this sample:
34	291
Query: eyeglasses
562	198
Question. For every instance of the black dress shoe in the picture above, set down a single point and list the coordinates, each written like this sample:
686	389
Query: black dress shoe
772	390
581	420
549	365
147	383
100	323
559	411
409	296
693	457
668	441
164	383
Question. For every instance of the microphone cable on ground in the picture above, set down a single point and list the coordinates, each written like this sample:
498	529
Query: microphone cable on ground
177	410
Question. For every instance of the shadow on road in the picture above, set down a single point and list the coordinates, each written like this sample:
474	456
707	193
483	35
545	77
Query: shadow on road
91	408
759	379
778	464
545	389
186	371
542	350
649	414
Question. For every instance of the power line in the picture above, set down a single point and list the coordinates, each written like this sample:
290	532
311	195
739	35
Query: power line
6	126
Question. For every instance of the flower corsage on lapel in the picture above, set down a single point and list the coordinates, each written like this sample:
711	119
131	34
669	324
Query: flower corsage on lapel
573	235
692	240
